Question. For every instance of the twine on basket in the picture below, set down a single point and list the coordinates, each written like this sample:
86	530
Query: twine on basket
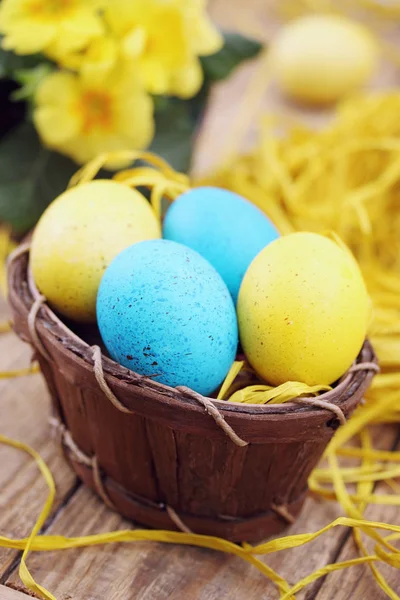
65	438
208	405
35	339
175	518
99	374
211	410
92	463
282	511
365	366
98	482
19	251
336	410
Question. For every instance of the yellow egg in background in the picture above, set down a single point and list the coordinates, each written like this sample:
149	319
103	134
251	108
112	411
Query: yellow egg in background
319	59
78	236
303	310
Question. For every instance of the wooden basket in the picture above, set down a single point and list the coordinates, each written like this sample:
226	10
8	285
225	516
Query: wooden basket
169	458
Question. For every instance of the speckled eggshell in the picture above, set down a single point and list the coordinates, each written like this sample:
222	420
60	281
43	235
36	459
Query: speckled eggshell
164	312
228	230
303	310
78	236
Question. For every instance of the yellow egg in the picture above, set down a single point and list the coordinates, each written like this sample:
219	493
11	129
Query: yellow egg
303	310
78	236
321	58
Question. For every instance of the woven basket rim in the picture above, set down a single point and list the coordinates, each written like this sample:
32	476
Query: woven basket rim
20	292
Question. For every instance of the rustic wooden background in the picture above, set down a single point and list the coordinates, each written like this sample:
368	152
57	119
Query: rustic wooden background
145	571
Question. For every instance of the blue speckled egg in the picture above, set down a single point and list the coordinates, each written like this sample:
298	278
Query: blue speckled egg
228	230
164	312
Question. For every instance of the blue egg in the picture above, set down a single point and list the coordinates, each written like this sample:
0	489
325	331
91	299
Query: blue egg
226	229
164	312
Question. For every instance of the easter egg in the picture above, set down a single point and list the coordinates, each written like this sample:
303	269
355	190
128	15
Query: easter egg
303	310
321	58
78	236
164	312
228	230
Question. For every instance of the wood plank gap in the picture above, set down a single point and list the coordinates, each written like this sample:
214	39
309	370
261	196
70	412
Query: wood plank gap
313	592
11	568
66	500
318	585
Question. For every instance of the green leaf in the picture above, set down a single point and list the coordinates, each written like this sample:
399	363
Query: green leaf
31	176
29	80
235	50
10	62
173	139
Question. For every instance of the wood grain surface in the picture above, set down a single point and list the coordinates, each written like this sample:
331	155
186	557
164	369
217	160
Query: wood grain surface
7	593
145	571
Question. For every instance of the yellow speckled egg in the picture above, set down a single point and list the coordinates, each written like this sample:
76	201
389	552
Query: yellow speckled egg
78	236
303	310
321	58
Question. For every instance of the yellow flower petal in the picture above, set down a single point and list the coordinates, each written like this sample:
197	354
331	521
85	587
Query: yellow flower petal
134	42
53	27
56	126
28	38
134	119
77	31
206	39
83	117
56	88
167	37
99	60
186	82
155	75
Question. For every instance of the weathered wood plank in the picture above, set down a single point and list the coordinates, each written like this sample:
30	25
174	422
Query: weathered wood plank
153	571
24	413
358	582
144	571
7	593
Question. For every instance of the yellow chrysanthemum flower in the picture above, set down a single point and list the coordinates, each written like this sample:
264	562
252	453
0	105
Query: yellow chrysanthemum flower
55	27
165	38
82	118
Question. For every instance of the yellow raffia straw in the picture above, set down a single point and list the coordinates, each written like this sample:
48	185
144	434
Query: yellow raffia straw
351	509
90	169
160	178
259	393
6	246
50	543
247	552
230	378
266	394
344	178
24	573
31	370
5	326
280	192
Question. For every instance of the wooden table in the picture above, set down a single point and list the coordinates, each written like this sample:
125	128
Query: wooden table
145	571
